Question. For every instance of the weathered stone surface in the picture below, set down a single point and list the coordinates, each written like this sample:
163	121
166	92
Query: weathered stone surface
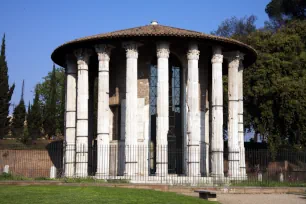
240	122
131	155
70	116
232	130
217	114
6	169
193	112
53	172
103	123
82	56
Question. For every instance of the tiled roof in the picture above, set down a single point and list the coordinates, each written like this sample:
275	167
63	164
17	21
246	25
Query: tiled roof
156	31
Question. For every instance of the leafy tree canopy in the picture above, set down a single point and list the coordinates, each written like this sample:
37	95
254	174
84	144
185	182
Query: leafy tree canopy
51	94
236	27
275	85
281	11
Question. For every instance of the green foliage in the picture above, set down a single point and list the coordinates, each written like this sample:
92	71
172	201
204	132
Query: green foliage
274	87
35	117
46	93
19	117
283	10
6	92
25	135
236	27
50	113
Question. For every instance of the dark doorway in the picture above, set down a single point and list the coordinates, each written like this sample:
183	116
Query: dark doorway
175	141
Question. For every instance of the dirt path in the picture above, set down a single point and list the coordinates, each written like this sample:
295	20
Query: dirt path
261	199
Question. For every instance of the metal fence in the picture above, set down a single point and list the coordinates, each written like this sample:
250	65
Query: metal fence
262	166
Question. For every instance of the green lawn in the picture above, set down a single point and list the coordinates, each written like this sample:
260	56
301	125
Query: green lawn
75	195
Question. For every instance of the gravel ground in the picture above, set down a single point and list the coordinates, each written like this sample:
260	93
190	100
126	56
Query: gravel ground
261	199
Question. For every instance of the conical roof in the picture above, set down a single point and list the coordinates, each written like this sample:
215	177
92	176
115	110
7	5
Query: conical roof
152	31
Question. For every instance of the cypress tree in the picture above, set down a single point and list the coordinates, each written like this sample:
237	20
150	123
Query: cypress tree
19	116
50	114
6	92
35	118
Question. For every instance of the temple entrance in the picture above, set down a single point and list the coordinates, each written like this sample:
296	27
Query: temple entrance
175	136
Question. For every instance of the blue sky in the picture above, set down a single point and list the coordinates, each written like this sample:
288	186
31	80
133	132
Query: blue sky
34	28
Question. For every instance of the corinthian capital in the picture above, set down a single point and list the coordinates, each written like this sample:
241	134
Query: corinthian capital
231	56
217	55
82	55
163	50
193	52
234	59
131	49
217	58
103	51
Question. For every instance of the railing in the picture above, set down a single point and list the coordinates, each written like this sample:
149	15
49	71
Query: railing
149	164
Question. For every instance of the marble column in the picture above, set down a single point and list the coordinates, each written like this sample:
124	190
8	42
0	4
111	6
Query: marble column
162	119
193	111
131	157
103	126
243	174
70	115
232	129
82	113
217	114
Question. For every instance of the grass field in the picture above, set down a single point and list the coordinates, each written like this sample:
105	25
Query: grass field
92	195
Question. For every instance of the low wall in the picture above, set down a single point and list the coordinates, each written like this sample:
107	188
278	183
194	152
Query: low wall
30	163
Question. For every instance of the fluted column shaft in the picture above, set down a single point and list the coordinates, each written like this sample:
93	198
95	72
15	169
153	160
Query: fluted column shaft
70	116
232	130
131	157
240	122
193	114
82	113
162	119
103	139
217	114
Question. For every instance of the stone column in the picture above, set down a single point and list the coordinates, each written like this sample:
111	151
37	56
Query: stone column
103	148
70	116
232	130
217	114
131	157
162	119
243	174
193	114
82	113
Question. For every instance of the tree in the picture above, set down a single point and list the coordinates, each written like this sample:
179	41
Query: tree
44	91
237	28
281	11
6	92
50	110
35	118
19	116
275	98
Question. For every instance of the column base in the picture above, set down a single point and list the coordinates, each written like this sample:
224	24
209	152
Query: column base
161	170
131	168
218	178
243	174
101	175
81	175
